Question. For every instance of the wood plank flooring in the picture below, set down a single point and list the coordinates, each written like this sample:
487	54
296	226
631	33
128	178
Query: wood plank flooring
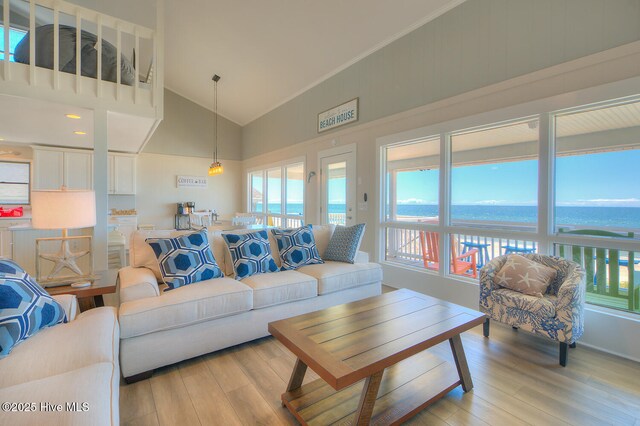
516	376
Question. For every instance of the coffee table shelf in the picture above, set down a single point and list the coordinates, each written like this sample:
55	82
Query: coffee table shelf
406	388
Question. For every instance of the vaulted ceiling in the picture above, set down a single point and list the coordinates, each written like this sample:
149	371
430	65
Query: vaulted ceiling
268	52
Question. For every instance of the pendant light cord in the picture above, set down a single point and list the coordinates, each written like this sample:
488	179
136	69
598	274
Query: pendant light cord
215	79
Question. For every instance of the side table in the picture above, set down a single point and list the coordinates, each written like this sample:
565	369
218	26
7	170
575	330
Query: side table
89	297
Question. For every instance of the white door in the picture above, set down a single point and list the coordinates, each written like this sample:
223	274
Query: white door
338	188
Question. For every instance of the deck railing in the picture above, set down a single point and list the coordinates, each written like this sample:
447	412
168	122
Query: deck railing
613	276
126	37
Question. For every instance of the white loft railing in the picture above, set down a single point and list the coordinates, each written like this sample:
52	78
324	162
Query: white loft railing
19	75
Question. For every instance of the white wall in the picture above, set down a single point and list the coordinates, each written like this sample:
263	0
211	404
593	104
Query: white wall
157	192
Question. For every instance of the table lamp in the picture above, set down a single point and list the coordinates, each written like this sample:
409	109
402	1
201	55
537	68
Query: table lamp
62	209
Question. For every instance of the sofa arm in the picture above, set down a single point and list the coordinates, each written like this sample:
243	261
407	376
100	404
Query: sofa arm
69	303
137	283
361	257
487	273
570	302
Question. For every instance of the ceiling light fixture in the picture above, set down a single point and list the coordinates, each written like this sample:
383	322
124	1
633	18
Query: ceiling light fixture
73	116
79	132
216	167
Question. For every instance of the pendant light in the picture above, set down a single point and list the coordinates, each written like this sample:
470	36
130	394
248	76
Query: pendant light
216	167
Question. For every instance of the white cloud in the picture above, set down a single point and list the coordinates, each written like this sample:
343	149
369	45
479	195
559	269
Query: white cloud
414	201
603	202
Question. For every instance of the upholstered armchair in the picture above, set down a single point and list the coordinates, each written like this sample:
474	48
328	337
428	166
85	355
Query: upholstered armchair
558	315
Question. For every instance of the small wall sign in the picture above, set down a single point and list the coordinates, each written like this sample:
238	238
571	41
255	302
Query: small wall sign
192	182
338	116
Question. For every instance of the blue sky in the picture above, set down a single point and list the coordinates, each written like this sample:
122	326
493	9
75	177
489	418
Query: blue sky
602	179
14	38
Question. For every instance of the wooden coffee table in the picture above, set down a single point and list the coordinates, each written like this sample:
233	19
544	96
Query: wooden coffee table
362	340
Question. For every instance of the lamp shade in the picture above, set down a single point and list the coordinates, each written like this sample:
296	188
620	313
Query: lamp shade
63	209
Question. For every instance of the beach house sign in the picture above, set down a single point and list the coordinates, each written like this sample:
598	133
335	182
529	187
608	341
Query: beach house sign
338	116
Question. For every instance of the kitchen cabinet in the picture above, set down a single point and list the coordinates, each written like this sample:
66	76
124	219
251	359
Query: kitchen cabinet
6	235
122	174
53	168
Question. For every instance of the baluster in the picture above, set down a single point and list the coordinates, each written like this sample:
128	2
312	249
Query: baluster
56	47
136	88
78	51
99	63
118	60
32	42
7	28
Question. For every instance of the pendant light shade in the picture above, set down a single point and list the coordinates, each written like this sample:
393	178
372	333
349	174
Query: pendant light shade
216	166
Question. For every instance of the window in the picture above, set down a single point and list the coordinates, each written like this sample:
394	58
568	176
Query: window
282	187
411	196
15	35
597	176
14	182
598	196
256	192
590	210
494	176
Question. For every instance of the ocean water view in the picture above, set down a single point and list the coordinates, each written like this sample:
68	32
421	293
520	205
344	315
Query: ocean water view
609	217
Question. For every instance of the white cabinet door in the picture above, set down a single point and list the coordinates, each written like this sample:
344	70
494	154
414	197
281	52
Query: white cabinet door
124	172
78	170
48	170
6	242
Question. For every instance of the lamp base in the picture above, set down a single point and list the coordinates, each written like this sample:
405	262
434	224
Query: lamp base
64	258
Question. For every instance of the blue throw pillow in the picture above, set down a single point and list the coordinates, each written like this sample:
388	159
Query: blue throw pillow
297	247
344	243
186	259
25	308
250	253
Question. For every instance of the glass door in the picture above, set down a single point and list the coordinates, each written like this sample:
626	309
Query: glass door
338	189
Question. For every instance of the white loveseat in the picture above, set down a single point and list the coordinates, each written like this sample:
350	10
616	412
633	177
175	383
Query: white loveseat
67	374
159	328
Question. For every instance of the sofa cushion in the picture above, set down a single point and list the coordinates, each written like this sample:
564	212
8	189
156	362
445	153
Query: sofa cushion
25	308
185	259
184	306
281	287
91	338
322	234
345	243
336	276
250	253
297	247
95	385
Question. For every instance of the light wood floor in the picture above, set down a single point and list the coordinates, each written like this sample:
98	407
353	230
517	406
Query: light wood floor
516	376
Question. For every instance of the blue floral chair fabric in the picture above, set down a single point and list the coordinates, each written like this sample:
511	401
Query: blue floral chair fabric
558	315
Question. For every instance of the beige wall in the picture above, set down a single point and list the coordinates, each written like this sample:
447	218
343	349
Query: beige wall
479	43
157	192
187	129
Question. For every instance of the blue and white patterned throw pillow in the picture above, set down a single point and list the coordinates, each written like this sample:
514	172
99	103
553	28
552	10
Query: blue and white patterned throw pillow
25	308
344	243
186	259
297	247
250	253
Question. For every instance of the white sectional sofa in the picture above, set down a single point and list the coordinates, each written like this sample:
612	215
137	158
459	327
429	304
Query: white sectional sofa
67	374
159	328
